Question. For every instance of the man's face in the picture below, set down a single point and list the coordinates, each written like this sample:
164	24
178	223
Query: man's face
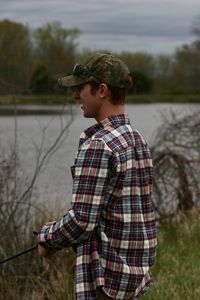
91	104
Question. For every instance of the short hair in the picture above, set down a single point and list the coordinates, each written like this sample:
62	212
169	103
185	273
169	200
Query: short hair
117	94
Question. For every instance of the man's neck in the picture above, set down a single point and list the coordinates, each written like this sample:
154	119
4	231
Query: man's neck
109	111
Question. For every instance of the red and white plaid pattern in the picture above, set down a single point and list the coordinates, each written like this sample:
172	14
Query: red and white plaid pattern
111	223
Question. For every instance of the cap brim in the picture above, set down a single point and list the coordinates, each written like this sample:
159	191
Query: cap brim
71	80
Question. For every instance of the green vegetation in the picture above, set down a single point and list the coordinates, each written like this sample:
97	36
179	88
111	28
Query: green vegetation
156	98
177	271
35	99
31	61
65	99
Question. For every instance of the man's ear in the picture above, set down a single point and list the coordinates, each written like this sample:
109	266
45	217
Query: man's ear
103	90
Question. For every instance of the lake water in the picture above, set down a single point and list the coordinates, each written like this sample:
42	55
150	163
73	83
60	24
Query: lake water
54	184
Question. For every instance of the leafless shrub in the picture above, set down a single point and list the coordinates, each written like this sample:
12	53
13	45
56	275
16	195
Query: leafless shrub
176	154
19	214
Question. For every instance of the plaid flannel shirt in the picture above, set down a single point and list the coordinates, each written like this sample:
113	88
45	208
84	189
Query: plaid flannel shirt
111	221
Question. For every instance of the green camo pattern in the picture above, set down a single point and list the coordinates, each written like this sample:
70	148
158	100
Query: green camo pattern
104	68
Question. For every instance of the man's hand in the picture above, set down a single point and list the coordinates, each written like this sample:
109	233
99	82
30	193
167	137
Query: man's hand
43	251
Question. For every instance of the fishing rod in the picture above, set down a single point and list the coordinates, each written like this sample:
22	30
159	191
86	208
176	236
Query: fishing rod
18	254
21	253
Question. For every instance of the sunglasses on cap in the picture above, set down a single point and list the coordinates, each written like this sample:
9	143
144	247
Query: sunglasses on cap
83	72
80	71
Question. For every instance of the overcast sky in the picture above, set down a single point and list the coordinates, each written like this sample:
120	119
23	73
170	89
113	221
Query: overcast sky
154	26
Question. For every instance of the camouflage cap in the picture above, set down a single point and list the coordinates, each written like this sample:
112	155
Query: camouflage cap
100	68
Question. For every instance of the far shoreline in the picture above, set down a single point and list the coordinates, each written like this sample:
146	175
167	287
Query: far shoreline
66	99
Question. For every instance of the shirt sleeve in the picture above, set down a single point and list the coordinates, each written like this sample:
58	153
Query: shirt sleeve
90	177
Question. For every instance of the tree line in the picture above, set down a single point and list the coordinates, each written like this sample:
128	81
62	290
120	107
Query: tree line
32	60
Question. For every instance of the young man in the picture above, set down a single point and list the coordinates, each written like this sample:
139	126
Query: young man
111	222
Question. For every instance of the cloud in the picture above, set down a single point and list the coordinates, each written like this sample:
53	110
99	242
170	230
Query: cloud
132	43
167	21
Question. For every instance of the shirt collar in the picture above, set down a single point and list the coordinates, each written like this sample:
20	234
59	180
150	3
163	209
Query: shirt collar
115	119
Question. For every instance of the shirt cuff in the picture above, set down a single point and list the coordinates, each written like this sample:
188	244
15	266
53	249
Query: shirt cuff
45	238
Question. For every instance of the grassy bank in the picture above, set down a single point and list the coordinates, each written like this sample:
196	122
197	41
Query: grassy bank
33	99
176	273
163	98
61	99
